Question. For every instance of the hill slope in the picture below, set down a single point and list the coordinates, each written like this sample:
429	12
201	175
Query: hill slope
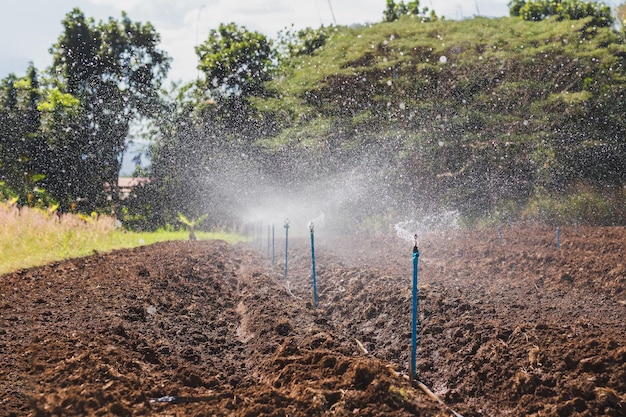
476	115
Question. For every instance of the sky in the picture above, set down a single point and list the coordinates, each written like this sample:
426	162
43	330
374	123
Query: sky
28	28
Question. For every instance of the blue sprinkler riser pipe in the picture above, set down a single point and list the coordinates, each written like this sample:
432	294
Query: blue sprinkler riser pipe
313	267
268	241
416	255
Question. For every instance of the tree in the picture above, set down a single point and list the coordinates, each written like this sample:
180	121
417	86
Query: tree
302	42
21	166
394	10
235	61
62	166
564	10
115	70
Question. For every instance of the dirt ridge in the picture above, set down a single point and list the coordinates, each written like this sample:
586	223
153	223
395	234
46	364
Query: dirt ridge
511	327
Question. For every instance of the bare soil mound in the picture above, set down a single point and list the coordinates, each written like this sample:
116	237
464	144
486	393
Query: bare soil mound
510	326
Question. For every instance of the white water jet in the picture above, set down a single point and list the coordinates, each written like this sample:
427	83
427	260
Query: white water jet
404	230
319	218
407	230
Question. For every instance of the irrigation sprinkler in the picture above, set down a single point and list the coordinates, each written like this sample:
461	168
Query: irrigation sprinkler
500	233
313	266
416	255
286	246
268	241
558	238
273	247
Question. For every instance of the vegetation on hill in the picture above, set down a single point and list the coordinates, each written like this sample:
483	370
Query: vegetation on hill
475	112
497	118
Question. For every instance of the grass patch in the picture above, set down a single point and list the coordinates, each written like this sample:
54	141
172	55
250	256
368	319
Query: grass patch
32	237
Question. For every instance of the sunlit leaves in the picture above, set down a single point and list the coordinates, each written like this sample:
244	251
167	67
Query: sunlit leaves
394	10
55	99
536	10
235	61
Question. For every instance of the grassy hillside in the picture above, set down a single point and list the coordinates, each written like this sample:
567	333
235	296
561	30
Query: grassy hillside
361	69
482	115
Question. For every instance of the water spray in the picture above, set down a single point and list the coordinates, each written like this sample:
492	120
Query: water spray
313	265
319	218
435	223
286	246
416	255
558	238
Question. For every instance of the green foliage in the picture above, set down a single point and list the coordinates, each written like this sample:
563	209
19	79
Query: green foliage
31	237
191	224
114	69
562	10
590	206
62	139
493	117
584	206
235	61
56	100
394	11
486	110
21	161
6	193
306	41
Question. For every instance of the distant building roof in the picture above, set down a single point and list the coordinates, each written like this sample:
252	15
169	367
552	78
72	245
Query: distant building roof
129	182
126	184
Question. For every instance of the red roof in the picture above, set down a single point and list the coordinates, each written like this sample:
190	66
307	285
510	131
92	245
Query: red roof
128	182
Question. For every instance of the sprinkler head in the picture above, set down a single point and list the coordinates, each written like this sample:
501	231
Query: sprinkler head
286	223
415	248
311	227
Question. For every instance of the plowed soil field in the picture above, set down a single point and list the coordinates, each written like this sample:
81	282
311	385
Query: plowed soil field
506	327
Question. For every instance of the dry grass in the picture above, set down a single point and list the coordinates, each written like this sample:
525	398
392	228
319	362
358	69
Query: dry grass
31	237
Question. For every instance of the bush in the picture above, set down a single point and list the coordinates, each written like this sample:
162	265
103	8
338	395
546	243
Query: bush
585	205
590	207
